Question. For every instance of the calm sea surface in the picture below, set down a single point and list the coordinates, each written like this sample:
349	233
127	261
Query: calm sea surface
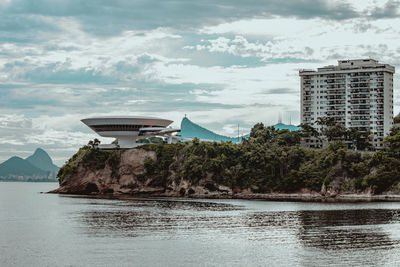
53	230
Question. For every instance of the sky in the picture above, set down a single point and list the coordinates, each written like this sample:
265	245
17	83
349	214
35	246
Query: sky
222	63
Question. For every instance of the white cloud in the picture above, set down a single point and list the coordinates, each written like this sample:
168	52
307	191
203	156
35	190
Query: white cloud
18	132
242	85
305	39
60	77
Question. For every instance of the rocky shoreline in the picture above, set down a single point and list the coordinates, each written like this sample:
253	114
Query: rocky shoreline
296	197
127	179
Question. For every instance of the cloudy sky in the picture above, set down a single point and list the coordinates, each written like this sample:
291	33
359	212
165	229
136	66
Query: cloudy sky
222	63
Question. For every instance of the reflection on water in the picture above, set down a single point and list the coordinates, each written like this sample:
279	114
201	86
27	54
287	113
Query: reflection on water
324	229
147	217
347	229
53	230
347	236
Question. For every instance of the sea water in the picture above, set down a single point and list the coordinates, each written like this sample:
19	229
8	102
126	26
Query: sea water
60	230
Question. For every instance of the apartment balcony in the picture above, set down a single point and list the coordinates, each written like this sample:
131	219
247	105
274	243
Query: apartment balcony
359	118
336	98
359	103
335	91
360	113
359	124
358	91
359	95
359	86
360	74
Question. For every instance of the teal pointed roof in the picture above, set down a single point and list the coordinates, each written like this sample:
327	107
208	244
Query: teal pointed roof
190	129
282	126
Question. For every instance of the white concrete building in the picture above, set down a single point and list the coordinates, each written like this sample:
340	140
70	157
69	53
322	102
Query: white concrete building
127	130
359	93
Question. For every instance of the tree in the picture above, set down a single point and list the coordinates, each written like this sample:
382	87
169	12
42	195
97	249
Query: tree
359	139
90	143
115	142
332	129
392	142
337	132
308	131
397	118
287	138
326	121
257	127
261	134
94	143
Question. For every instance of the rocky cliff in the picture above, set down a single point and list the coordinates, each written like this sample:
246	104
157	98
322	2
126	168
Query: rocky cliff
129	177
134	172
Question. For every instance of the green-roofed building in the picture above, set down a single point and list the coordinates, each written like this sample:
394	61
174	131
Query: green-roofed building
282	126
190	130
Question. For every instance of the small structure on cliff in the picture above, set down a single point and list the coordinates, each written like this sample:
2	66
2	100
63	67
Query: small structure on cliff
191	130
128	130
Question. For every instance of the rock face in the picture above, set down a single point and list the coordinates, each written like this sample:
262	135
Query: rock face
131	179
123	172
88	180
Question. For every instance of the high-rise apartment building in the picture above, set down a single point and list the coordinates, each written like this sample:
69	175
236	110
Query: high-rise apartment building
358	93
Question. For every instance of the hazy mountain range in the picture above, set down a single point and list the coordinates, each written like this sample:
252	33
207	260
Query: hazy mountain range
37	167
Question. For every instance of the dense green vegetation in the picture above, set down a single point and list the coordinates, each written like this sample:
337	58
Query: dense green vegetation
333	130
269	160
90	157
272	160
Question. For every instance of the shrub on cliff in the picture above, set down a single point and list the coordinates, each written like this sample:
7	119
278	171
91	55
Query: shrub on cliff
269	160
92	158
272	160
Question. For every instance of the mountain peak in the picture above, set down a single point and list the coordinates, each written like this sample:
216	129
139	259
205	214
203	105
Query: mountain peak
40	151
42	160
41	155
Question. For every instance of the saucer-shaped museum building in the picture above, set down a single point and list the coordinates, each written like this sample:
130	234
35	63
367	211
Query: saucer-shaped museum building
127	130
134	131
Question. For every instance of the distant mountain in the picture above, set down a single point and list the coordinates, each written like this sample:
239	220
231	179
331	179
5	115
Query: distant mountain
37	167
42	160
18	166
